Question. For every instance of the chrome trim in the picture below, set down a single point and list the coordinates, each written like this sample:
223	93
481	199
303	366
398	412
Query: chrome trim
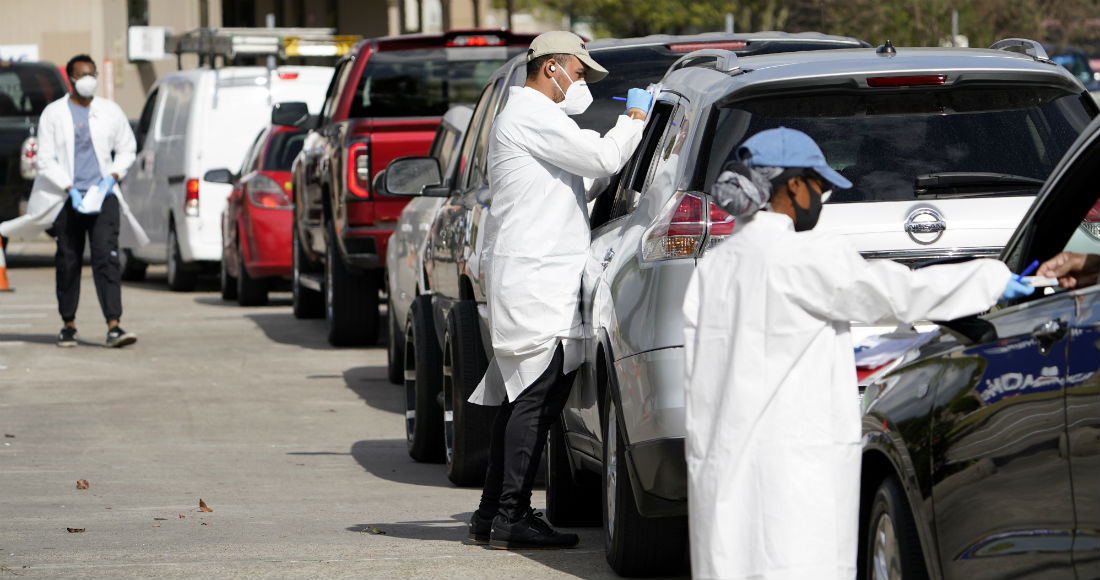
915	228
932	254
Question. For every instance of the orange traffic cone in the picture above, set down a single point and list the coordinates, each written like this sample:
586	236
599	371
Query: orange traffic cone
4	286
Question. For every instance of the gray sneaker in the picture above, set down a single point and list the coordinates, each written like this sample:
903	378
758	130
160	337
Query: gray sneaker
118	338
67	337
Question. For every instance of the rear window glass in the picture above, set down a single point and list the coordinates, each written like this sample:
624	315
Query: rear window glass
26	90
425	82
882	142
283	149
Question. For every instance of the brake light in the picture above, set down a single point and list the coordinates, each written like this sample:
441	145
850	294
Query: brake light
719	225
191	199
288	76
907	81
692	46
1091	223
476	40
359	170
265	192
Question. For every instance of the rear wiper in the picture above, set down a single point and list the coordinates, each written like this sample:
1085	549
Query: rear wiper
971	182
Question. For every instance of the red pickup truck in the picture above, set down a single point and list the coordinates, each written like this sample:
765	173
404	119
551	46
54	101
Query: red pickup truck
385	101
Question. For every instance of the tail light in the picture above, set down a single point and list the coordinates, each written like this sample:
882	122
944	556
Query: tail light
288	76
476	40
685	227
28	154
359	170
191	200
266	193
1091	223
907	81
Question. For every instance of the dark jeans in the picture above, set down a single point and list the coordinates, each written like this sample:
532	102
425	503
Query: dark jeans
518	439
71	228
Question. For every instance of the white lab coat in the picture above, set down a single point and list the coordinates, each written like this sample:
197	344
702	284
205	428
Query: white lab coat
110	131
773	426
537	235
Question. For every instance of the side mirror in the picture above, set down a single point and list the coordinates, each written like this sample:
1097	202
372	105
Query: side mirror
410	176
379	183
219	176
291	114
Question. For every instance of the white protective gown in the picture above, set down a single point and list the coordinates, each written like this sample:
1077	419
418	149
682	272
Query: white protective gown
537	235
110	132
772	413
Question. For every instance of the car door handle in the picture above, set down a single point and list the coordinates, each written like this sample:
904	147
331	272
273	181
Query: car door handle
1048	333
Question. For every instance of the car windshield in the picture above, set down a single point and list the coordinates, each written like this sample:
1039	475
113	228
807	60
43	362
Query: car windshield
26	90
967	141
425	82
283	149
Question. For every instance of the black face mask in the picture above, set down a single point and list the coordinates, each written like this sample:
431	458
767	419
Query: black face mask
806	219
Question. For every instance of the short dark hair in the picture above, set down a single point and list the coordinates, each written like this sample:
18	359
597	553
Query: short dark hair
76	59
535	65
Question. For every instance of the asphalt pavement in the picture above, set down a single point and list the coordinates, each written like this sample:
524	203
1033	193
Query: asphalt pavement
296	447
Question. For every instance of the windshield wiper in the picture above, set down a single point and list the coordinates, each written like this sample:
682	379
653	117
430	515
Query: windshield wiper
971	183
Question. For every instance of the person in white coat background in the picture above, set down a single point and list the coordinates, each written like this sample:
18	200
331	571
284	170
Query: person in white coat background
772	417
85	146
536	245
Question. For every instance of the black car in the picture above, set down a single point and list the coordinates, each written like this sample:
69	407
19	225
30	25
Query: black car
981	448
25	89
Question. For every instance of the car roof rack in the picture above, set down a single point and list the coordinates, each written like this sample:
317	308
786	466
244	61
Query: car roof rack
228	43
1023	46
724	61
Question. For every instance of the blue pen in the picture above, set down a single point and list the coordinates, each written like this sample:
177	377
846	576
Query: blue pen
619	98
1030	269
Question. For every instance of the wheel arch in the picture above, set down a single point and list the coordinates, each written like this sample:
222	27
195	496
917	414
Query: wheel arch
878	464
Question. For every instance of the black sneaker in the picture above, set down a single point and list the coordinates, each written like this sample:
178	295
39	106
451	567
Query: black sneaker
117	338
67	337
531	532
480	528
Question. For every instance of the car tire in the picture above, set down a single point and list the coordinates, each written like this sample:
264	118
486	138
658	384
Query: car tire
351	300
395	348
635	545
423	378
130	268
308	303
250	291
180	277
892	544
572	499
466	426
227	283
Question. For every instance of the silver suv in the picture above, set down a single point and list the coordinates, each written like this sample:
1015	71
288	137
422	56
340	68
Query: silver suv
946	148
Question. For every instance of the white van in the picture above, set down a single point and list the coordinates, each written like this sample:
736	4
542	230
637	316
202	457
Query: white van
195	120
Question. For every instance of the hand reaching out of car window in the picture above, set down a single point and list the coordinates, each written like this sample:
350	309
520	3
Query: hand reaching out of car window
1072	270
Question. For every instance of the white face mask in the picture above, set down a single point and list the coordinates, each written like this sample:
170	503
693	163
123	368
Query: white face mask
85	86
577	97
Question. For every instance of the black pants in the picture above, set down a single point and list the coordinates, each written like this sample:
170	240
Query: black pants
518	439
71	228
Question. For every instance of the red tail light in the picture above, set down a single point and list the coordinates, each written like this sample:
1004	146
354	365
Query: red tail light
191	200
266	193
359	170
288	76
476	40
1094	213
686	225
907	81
692	46
1091	223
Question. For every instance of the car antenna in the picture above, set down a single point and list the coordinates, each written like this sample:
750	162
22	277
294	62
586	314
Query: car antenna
886	49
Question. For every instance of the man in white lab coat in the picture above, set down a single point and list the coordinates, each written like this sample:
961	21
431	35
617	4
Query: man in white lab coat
536	245
772	416
85	146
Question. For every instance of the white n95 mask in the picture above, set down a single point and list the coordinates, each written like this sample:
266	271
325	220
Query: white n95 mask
577	97
85	86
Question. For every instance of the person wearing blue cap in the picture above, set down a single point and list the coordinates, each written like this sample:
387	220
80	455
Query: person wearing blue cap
773	425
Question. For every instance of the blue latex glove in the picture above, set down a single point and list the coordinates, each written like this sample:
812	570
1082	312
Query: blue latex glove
638	99
76	198
1016	289
107	184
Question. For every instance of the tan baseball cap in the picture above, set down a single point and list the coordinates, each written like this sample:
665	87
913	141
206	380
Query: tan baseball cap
564	42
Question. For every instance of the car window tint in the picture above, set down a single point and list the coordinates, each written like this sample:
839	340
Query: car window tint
883	141
253	152
146	120
479	165
424	82
282	149
332	95
634	175
176	110
445	147
26	90
473	133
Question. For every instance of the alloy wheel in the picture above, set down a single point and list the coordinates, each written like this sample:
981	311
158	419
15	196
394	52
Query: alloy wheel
611	468
885	553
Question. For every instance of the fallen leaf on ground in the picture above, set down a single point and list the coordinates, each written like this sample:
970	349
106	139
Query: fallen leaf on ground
203	508
204	524
75	530
182	516
160	519
375	531
156	525
9	435
82	484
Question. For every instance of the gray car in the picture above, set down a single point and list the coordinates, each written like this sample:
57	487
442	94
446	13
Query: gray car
993	123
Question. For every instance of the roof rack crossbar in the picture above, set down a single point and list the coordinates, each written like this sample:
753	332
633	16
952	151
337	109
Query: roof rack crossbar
724	60
1022	46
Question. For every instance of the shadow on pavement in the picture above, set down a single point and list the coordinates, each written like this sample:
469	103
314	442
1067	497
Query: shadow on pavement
389	459
450	529
50	339
283	328
371	385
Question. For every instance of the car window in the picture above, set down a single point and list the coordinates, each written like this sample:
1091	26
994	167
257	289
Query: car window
637	170
445	147
628	68
176	111
26	90
479	164
282	148
424	82
249	162
333	93
883	141
483	115
145	122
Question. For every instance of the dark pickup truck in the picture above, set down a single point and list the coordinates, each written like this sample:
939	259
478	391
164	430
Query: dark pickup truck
385	101
25	89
